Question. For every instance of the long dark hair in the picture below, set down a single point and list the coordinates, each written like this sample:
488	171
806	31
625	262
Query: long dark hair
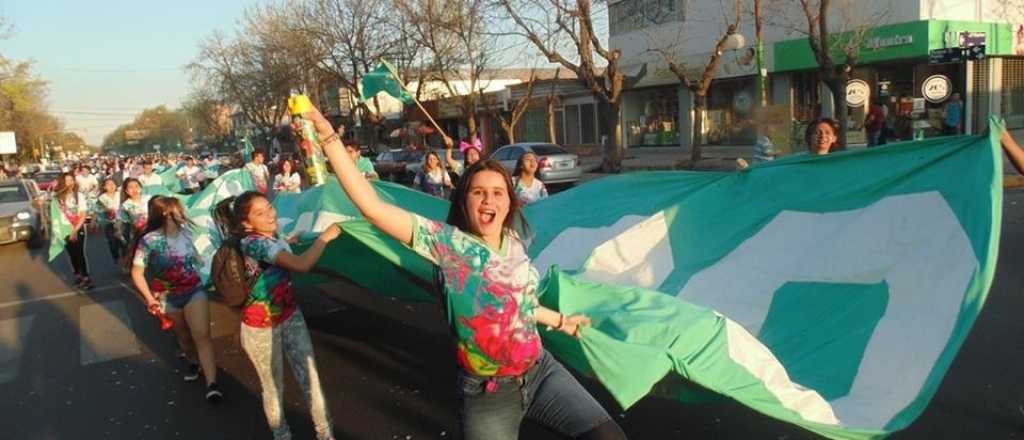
62	187
518	173
160	209
458	215
124	188
230	212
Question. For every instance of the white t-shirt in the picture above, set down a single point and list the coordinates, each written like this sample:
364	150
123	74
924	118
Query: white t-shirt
108	206
291	184
87	183
151	179
190	176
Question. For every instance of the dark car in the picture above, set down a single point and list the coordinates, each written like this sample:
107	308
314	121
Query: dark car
392	165
46	180
20	219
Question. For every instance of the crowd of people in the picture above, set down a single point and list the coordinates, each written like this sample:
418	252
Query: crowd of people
505	375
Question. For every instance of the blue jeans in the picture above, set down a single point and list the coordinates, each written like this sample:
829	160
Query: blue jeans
546	394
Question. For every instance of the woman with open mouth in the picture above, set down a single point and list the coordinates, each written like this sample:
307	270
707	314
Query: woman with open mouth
490	288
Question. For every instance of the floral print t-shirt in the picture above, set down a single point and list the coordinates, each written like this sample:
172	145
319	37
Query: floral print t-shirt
172	262
135	213
272	300
530	193
492	297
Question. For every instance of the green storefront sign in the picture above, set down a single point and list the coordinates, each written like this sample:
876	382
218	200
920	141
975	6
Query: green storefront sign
895	42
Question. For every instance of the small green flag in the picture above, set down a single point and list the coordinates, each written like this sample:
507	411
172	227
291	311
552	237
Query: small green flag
385	79
247	150
60	228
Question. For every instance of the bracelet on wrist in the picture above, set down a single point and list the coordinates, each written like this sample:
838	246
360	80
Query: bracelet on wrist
333	137
561	321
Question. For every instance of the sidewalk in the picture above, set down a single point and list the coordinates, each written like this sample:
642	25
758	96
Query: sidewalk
716	158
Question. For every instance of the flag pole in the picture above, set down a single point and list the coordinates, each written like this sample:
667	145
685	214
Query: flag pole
411	95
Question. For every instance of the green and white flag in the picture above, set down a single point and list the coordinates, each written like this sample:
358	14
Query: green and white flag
831	292
384	78
60	228
199	207
247	150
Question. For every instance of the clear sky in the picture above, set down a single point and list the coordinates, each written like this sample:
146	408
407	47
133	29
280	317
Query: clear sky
106	60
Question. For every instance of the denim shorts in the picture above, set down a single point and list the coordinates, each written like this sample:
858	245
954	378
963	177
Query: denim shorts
176	302
493	408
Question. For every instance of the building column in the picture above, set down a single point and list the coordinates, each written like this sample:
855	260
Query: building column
686	135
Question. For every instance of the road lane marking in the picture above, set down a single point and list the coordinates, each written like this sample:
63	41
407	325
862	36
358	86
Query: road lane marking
12	336
106	332
59	295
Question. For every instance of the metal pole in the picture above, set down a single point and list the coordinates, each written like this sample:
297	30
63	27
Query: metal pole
762	71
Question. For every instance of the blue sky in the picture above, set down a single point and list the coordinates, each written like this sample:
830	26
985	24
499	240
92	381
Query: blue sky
106	60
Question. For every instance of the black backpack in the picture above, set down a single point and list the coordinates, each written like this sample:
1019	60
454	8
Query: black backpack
230	277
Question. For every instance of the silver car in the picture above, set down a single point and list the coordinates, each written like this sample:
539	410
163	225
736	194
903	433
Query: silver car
20	219
555	165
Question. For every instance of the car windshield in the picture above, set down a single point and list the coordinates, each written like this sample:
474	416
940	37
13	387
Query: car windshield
12	194
547	149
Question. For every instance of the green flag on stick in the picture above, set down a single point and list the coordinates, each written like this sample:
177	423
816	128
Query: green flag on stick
385	79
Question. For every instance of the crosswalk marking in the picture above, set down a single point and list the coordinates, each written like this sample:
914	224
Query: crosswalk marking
60	295
106	332
12	337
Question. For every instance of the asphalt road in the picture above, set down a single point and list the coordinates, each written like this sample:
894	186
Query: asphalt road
96	366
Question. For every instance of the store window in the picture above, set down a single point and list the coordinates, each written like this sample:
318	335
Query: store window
1013	92
729	117
652	117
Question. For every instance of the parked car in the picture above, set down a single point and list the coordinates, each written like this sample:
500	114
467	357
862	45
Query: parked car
46	180
555	165
20	218
414	168
393	165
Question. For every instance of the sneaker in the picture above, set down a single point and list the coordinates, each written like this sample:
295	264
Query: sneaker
213	394
86	284
193	373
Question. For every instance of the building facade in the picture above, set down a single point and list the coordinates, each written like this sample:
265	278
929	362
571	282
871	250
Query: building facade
907	61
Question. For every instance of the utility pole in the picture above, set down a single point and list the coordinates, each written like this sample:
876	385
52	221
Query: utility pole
762	71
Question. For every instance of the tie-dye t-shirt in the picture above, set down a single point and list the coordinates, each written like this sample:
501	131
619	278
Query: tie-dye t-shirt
135	213
172	263
492	297
272	300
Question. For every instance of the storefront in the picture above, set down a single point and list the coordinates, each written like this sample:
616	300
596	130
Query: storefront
729	119
895	71
651	117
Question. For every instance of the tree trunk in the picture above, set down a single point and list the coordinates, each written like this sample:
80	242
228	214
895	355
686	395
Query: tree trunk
837	86
700	103
552	131
613	145
510	132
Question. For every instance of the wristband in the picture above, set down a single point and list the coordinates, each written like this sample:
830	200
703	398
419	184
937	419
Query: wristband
329	139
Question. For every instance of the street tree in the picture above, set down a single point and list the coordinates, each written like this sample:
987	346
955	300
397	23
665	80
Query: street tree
457	48
516	112
696	79
350	38
564	33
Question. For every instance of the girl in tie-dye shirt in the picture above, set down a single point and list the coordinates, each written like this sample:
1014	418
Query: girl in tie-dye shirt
272	324
165	253
491	293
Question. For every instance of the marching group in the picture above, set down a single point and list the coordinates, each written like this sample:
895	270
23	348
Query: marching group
505	374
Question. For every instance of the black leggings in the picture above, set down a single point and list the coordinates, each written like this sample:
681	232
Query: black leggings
609	430
76	251
114	240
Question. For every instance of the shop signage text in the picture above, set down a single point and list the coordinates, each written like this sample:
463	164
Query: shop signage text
936	88
857	92
971	39
946	55
895	40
